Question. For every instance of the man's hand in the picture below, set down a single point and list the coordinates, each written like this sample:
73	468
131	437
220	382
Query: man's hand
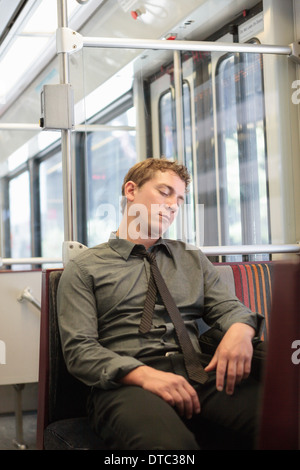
172	388
233	357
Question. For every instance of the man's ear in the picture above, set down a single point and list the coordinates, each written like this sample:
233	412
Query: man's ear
129	190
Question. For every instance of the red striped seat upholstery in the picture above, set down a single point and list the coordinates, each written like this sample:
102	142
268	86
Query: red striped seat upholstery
253	287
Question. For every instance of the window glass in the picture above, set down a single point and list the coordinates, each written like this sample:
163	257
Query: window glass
229	150
51	206
19	213
205	185
110	155
242	150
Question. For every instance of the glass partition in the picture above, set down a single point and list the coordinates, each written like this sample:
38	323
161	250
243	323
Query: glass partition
219	116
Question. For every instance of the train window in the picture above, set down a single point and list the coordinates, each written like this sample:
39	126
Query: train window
110	154
205	176
19	214
51	206
242	154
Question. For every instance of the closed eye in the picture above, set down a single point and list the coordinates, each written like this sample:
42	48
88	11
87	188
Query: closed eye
166	191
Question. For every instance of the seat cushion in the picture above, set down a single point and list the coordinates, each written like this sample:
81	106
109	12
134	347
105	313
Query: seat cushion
71	434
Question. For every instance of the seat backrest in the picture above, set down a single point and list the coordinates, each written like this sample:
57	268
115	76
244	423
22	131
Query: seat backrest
67	396
61	396
252	283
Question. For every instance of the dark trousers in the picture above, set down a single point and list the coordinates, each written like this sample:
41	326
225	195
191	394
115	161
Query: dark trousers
130	418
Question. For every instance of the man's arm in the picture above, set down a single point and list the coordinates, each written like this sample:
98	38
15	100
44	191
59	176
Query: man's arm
232	358
85	358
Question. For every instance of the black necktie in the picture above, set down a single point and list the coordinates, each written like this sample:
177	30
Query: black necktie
191	357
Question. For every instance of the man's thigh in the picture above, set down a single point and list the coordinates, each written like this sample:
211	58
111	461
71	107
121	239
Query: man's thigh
234	417
133	418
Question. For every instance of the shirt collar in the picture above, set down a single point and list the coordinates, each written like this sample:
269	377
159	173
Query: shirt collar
124	247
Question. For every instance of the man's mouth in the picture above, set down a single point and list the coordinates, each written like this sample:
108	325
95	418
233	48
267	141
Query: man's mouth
165	217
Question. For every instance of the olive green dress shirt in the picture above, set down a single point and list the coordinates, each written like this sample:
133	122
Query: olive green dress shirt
101	296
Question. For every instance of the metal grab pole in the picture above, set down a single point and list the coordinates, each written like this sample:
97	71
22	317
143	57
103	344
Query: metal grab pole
70	232
73	41
179	45
19	441
208	250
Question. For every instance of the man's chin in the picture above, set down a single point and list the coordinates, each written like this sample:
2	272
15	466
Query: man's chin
158	232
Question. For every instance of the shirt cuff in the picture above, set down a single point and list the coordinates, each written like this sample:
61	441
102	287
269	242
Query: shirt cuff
116	369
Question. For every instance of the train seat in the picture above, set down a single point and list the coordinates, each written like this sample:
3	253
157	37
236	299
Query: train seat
62	421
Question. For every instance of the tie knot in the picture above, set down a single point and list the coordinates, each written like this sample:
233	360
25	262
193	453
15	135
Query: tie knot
140	250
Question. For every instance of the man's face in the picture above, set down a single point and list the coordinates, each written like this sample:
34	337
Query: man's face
154	205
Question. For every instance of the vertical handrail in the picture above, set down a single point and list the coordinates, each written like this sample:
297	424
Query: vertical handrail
180	137
179	106
70	230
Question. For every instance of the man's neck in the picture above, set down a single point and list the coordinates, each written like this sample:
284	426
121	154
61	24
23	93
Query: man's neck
139	239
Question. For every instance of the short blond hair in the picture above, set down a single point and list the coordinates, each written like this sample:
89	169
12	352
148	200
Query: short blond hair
144	171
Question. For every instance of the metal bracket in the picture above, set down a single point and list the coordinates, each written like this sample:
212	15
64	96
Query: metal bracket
68	41
71	249
295	54
26	294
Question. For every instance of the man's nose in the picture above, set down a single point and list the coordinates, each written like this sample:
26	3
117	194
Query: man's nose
173	204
